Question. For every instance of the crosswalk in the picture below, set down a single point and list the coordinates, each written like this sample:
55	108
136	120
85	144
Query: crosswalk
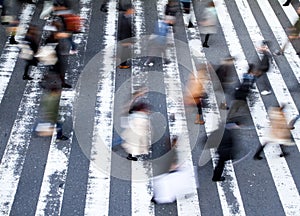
88	175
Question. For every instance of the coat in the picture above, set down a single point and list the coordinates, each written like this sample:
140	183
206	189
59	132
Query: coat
209	23
279	131
136	135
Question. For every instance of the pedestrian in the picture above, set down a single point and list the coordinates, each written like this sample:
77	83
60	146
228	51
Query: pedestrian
125	36
56	39
157	43
187	16
208	25
50	112
68	22
279	132
264	67
136	135
171	10
195	93
226	78
32	39
287	3
225	151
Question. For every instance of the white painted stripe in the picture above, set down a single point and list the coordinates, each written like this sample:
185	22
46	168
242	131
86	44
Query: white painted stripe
282	177
280	36
229	188
58	158
10	53
98	189
188	205
15	152
141	195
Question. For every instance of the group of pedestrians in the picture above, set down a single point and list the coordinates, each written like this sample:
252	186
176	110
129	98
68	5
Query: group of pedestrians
49	52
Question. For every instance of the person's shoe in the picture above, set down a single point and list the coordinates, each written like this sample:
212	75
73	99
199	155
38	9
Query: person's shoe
286	4
124	66
220	179
62	138
167	61
265	92
205	45
283	154
148	64
129	157
257	157
73	52
278	52
26	77
65	85
153	200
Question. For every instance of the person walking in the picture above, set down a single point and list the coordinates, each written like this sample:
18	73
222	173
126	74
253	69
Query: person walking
50	111
136	135
157	44
225	151
279	132
187	17
208	25
195	92
125	35
32	39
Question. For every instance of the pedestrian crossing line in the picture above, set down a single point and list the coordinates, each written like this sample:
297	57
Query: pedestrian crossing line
276	80
15	152
282	177
141	172
100	159
10	54
281	37
58	158
187	205
212	115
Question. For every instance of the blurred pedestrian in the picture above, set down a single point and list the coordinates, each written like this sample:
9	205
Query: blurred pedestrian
226	78
195	93
208	25
279	132
188	19
225	151
157	43
171	10
136	135
32	39
264	67
125	36
50	113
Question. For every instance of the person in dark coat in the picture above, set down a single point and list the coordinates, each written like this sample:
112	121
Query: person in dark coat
32	38
125	35
225	151
59	67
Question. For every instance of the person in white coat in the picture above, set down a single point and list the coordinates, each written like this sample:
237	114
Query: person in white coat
136	135
208	25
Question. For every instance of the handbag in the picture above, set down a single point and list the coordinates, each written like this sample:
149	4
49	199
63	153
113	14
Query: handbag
26	52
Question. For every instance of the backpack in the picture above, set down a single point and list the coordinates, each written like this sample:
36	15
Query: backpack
73	23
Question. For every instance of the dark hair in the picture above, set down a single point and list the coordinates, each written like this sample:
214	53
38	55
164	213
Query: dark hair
139	107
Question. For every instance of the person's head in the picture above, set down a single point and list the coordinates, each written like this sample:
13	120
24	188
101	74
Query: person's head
129	9
211	4
298	10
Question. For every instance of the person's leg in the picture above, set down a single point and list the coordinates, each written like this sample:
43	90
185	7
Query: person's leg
199	119
287	2
205	41
217	176
258	152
